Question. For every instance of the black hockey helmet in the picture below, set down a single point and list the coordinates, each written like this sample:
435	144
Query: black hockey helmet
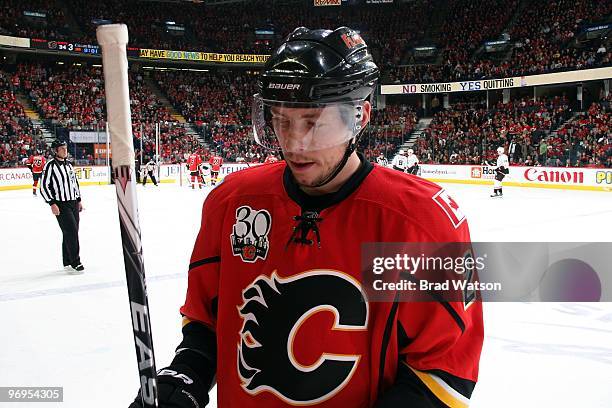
58	143
315	69
319	66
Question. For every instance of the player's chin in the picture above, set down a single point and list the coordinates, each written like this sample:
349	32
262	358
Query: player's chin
307	177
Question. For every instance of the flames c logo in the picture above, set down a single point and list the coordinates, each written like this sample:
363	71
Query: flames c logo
273	310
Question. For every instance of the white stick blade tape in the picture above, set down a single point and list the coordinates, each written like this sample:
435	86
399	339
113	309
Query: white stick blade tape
113	39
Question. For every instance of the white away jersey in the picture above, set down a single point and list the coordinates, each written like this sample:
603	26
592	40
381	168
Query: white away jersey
412	160
502	161
400	161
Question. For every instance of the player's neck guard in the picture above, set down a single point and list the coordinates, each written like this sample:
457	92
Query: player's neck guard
318	203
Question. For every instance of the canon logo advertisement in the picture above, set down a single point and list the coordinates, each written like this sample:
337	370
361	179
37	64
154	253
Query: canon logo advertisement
554	176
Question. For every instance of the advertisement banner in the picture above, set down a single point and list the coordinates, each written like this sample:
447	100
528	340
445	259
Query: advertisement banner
202	56
325	3
79	136
569	178
21	177
100	151
178	173
15	178
14	41
503	83
92	175
520	176
170	173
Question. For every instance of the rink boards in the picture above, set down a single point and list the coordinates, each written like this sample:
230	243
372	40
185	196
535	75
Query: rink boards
566	178
21	177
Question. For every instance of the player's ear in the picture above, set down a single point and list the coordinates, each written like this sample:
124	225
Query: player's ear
367	111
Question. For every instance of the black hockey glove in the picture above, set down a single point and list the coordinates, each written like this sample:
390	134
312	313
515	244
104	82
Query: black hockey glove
178	386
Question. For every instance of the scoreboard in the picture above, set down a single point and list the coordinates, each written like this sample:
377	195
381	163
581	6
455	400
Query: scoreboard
65	46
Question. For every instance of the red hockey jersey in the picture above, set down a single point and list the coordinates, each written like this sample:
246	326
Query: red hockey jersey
216	162
291	320
194	161
37	163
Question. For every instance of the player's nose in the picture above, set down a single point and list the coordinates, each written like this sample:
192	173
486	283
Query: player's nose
298	139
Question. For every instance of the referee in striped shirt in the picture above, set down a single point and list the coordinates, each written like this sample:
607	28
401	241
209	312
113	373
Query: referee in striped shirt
60	189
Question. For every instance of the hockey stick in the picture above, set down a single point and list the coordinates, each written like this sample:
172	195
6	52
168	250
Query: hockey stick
113	39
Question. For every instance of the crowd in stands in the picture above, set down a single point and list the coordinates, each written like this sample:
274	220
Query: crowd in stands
65	95
539	32
18	137
13	21
586	140
220	105
72	96
540	37
540	132
175	143
231	29
388	129
207	98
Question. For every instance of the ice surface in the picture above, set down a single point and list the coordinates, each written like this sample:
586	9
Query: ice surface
74	331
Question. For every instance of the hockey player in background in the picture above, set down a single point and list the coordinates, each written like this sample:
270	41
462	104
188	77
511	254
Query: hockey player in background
215	162
381	160
150	170
502	168
412	164
205	174
276	311
271	158
36	164
193	166
400	161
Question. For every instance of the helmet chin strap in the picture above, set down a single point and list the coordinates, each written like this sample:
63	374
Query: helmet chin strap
350	148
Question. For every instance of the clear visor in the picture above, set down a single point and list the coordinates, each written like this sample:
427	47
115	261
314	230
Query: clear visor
299	127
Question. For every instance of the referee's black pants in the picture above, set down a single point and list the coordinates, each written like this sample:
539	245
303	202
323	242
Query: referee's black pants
68	220
149	174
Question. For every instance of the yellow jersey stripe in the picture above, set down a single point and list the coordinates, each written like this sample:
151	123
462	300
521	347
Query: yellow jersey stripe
442	390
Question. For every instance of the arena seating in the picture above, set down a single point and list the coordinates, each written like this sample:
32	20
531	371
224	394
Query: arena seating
13	21
218	103
541	35
541	132
72	96
588	137
18	138
388	129
540	32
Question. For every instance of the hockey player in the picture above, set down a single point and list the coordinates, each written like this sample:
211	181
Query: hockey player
275	310
205	174
412	163
400	161
215	162
502	168
193	165
36	164
381	160
150	169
